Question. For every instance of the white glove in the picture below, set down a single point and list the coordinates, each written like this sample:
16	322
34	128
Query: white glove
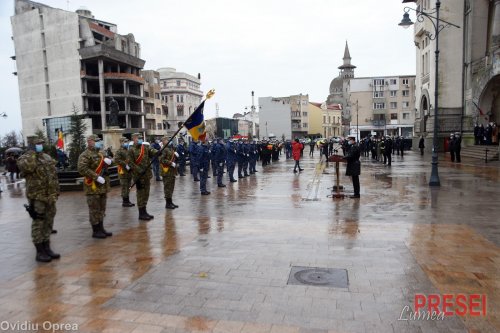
248	155
146	143
101	180
127	167
176	154
173	165
221	164
108	161
201	169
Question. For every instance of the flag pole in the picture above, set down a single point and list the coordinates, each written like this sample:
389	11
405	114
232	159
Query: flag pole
209	95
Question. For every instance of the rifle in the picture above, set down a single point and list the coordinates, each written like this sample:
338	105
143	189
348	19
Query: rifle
210	93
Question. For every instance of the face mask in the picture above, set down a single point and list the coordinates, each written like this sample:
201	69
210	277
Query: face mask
350	143
139	141
125	145
38	148
98	145
199	143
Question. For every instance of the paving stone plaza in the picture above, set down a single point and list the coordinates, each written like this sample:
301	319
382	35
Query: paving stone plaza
228	262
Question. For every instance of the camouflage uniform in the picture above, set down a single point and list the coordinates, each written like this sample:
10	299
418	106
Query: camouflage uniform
141	172
168	172
96	193
42	190
122	161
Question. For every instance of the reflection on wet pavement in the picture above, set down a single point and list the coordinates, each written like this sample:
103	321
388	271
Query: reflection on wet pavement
221	262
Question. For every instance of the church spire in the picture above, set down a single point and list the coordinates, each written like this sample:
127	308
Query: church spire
347	69
346	52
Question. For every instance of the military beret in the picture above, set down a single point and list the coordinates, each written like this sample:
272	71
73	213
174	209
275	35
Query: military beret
38	141
94	137
138	135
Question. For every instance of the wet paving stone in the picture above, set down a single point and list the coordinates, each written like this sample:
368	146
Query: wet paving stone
221	263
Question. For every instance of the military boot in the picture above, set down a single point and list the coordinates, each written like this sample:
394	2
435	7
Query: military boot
126	202
41	256
149	215
169	204
143	215
97	232
174	204
107	233
49	251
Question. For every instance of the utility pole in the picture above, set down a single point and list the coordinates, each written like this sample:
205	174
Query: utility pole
357	121
253	116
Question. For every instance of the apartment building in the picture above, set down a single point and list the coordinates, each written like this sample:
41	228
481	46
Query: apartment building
155	108
72	61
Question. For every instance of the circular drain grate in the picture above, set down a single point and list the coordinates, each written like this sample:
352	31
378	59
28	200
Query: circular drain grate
314	276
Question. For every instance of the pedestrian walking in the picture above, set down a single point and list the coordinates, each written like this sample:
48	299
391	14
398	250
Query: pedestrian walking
93	166
421	145
353	167
297	147
42	191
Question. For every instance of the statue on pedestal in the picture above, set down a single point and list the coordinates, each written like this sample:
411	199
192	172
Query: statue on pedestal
113	114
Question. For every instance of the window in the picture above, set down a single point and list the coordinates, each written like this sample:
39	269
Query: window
329	119
405	81
378	94
159	126
406	105
406	116
393	81
378	106
394	116
394	93
406	93
324	119
304	124
304	114
394	105
146	94
180	98
378	82
157	96
158	111
178	83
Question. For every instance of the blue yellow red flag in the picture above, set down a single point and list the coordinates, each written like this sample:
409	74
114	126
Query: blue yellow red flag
196	123
60	141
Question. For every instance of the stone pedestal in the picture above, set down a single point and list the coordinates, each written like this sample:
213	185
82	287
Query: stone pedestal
111	137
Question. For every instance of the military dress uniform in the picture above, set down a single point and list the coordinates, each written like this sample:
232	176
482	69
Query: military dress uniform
93	166
168	172
42	190
122	162
140	156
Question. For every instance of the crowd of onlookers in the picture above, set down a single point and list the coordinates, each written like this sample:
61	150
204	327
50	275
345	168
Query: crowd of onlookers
486	135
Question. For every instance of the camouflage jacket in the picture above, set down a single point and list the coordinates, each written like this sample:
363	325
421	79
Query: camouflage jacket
142	168
88	162
39	169
166	159
122	160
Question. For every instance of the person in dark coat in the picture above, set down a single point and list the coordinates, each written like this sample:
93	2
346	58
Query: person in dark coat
451	147
297	147
388	150
421	145
481	134
11	166
476	135
458	147
353	167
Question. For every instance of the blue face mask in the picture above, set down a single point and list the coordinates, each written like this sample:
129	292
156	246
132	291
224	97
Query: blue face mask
38	148
139	141
98	145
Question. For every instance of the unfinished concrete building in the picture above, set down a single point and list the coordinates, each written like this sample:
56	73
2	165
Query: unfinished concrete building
68	61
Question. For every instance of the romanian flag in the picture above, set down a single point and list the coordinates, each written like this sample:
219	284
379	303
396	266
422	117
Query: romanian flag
196	123
60	142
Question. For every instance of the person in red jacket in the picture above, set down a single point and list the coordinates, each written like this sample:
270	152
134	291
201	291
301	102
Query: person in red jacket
296	149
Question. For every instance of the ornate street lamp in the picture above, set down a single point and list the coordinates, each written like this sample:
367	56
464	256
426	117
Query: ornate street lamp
439	25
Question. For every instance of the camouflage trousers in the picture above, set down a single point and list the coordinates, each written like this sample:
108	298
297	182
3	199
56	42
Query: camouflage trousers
125	184
97	207
41	227
168	186
143	192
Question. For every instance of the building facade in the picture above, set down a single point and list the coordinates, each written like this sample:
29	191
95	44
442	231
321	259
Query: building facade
382	106
332	120
284	117
469	68
71	61
315	120
155	107
181	94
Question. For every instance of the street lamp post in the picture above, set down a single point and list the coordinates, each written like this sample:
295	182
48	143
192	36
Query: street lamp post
439	25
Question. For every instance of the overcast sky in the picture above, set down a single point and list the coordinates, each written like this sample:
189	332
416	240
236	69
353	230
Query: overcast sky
274	47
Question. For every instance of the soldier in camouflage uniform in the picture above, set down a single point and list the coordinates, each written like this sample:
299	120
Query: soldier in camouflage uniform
122	161
140	155
42	191
168	170
94	167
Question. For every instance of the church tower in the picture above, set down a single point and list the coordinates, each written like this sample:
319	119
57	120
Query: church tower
347	69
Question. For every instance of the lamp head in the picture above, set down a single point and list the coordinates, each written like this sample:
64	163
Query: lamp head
406	21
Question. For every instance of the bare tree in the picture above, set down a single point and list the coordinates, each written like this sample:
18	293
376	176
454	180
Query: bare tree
10	139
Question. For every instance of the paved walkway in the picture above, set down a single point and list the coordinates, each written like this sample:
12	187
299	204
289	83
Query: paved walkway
221	263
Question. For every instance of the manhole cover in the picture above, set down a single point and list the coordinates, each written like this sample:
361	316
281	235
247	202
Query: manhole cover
321	277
